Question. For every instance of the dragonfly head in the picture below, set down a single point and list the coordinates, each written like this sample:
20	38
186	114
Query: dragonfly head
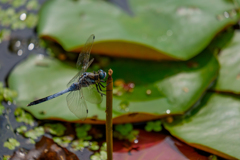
102	74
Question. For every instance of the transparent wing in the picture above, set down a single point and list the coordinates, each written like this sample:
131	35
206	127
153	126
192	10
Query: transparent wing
92	95
75	78
83	59
79	74
77	104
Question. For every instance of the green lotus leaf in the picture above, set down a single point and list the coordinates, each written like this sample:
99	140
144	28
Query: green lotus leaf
229	75
174	86
166	29
212	126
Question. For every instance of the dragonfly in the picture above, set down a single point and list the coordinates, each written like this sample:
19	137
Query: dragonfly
84	86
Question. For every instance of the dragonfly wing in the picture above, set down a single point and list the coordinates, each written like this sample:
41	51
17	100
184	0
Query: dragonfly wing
83	59
90	62
92	95
74	79
77	104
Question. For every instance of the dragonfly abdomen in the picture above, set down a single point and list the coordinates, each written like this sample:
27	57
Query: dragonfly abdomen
48	97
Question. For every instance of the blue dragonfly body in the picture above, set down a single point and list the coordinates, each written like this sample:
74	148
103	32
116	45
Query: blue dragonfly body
83	86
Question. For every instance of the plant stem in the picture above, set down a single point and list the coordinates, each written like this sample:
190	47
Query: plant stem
109	137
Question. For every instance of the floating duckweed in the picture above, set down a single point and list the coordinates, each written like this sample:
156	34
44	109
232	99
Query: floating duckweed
79	144
7	94
22	116
4	34
11	144
19	20
1	109
31	20
18	25
6	21
155	126
18	3
212	157
35	133
94	146
4	1
32	5
104	146
124	129
102	155
21	129
55	129
82	131
6	157
31	141
9	12
63	141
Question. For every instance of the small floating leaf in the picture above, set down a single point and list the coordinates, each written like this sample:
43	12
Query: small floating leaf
6	157
94	146
21	129
17	3
63	141
35	133
22	116
104	146
82	131
11	144
124	129
55	129
102	155
32	5
79	144
156	126
1	109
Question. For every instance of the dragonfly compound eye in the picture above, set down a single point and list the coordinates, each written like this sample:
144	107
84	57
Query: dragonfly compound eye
102	74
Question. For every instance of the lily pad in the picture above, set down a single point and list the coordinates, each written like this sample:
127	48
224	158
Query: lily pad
175	87
166	29
229	75
212	126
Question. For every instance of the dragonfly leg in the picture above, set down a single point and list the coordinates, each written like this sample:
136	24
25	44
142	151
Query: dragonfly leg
99	88
102	85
